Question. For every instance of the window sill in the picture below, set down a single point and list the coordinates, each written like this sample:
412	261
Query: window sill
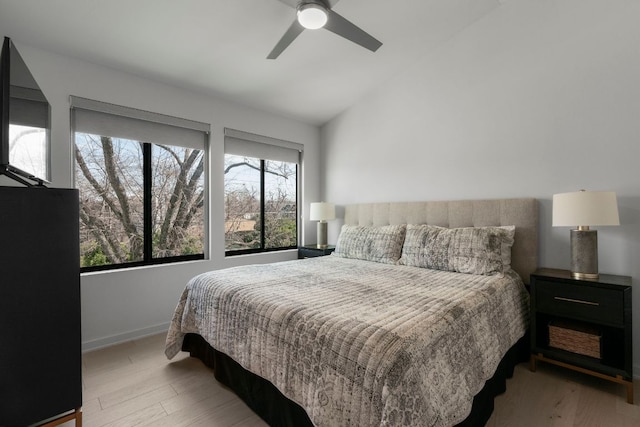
141	267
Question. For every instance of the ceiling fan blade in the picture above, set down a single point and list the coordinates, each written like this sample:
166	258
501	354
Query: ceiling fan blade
342	27
294	31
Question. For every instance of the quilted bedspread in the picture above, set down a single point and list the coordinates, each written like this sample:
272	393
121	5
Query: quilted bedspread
357	342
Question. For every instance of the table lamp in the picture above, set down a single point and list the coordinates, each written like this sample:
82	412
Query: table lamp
322	212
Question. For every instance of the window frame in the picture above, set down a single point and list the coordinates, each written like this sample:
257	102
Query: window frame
262	248
147	215
147	178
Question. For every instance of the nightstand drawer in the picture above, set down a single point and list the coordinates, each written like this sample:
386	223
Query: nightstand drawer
580	302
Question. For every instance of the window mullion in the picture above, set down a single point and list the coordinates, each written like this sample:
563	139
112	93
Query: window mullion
147	207
298	241
262	205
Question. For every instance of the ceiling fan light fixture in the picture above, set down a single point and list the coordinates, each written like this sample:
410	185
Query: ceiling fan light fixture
312	16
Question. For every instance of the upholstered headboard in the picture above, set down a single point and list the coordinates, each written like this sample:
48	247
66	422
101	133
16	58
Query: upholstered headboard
523	213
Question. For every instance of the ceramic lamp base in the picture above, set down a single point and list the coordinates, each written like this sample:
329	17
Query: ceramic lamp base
322	234
584	254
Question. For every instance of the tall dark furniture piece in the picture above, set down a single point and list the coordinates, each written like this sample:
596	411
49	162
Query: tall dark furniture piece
601	307
40	350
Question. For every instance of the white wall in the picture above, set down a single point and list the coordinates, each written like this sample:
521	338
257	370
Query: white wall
540	97
119	305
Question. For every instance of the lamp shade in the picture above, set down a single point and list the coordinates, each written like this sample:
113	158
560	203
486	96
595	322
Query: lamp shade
585	208
322	211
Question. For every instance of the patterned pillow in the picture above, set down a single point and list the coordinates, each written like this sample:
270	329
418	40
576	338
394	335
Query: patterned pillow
473	250
371	243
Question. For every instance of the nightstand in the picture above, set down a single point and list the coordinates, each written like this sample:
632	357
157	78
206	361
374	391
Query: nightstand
310	251
584	325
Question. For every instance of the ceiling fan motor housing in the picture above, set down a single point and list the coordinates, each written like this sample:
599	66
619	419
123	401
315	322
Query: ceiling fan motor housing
321	3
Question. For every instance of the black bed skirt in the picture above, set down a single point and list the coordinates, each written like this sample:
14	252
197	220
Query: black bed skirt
277	410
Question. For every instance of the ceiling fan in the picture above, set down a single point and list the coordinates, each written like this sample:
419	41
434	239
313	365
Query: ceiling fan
315	14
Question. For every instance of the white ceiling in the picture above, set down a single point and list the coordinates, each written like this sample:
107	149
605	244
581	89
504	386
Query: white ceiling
219	47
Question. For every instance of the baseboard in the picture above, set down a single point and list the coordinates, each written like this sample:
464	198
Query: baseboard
126	336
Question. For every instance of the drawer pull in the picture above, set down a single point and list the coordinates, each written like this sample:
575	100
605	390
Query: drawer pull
579	301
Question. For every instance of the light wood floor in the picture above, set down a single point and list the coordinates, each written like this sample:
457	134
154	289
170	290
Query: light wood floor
133	384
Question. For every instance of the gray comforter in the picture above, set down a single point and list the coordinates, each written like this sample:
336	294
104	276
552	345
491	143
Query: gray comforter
357	342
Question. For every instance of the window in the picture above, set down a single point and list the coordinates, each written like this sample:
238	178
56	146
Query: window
260	193
142	179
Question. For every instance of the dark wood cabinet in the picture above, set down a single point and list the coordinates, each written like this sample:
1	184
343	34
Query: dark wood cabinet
594	311
40	343
310	251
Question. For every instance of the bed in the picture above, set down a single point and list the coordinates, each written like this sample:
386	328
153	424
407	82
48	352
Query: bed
390	330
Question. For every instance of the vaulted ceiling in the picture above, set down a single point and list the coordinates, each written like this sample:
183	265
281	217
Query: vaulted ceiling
219	47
